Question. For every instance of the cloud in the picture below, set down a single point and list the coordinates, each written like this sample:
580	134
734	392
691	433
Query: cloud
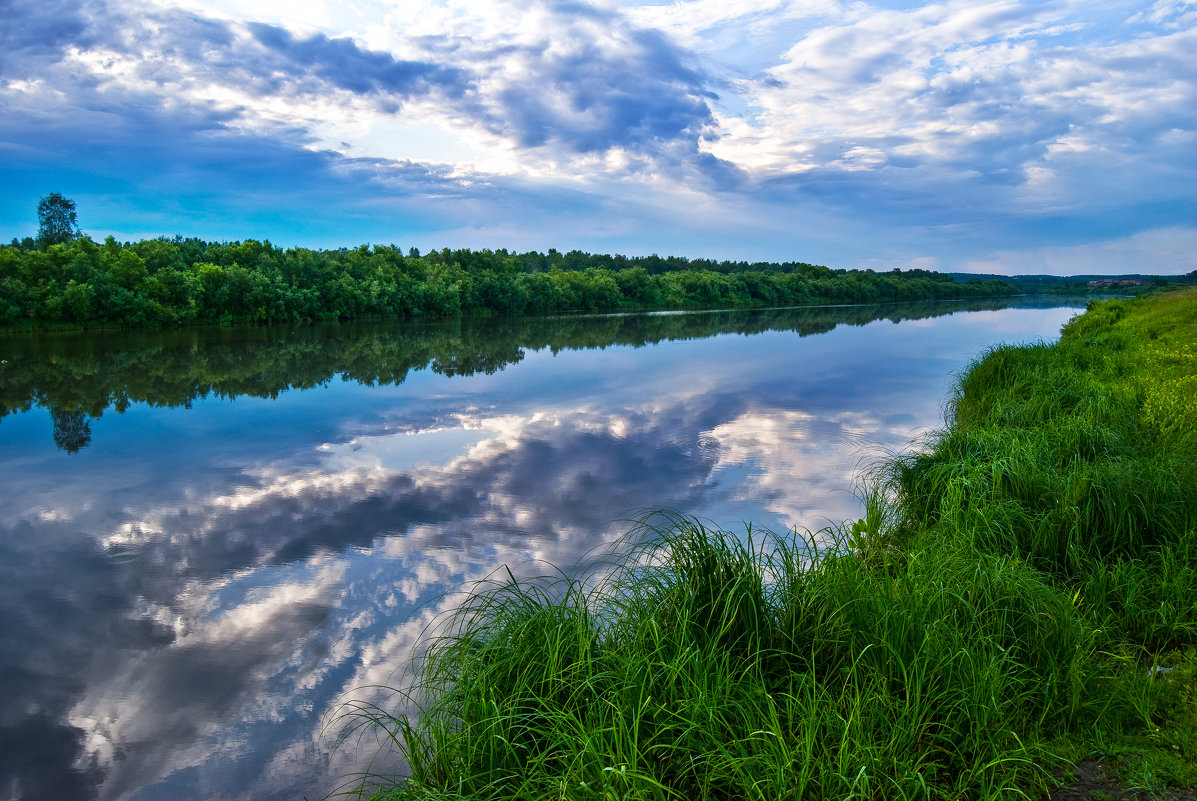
216	119
761	128
347	66
282	563
34	33
988	118
1169	13
786	458
687	20
975	93
594	83
566	77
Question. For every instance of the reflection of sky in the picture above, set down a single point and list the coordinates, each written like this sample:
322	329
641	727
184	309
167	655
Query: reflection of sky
194	590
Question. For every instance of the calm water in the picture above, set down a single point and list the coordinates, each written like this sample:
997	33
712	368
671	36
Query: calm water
208	540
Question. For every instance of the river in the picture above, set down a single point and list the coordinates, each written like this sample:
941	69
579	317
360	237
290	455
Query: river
211	539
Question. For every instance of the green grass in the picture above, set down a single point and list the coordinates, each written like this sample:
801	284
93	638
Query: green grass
1000	611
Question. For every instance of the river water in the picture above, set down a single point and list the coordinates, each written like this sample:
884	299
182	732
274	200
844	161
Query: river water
210	540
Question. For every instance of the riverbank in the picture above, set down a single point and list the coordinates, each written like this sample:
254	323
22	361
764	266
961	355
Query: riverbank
1019	597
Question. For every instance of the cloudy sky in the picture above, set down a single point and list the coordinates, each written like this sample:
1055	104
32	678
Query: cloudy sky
1002	136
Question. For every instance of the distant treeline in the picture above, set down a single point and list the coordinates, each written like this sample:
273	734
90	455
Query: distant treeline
1092	285
181	281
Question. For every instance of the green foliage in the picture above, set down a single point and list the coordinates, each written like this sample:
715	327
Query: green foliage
185	281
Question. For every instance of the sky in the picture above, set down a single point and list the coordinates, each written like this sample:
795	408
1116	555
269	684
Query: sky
994	136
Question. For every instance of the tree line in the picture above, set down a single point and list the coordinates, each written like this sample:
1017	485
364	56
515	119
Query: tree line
64	277
164	282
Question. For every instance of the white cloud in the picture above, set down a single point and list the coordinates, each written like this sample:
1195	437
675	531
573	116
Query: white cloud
958	87
1170	13
687	20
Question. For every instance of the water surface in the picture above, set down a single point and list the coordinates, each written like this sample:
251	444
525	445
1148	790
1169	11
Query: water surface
209	538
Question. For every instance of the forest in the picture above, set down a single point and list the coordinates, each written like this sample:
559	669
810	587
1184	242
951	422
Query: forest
167	282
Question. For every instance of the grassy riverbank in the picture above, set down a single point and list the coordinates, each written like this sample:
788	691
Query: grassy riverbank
1020	597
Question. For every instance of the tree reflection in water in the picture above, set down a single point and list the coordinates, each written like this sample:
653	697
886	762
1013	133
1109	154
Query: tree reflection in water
81	375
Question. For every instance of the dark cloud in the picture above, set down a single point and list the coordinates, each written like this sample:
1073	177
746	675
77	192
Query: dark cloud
190	170
189	146
344	64
37	760
631	90
158	150
33	33
172	51
571	479
970	119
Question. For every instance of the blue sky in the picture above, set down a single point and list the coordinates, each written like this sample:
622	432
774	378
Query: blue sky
997	136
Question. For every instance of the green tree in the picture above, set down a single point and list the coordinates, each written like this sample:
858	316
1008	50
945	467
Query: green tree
56	221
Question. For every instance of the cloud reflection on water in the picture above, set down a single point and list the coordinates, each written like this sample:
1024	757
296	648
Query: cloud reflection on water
240	596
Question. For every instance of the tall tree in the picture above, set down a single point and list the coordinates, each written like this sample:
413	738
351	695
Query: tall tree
56	220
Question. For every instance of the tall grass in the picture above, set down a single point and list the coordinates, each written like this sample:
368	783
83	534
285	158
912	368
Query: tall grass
709	665
1061	455
989	617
